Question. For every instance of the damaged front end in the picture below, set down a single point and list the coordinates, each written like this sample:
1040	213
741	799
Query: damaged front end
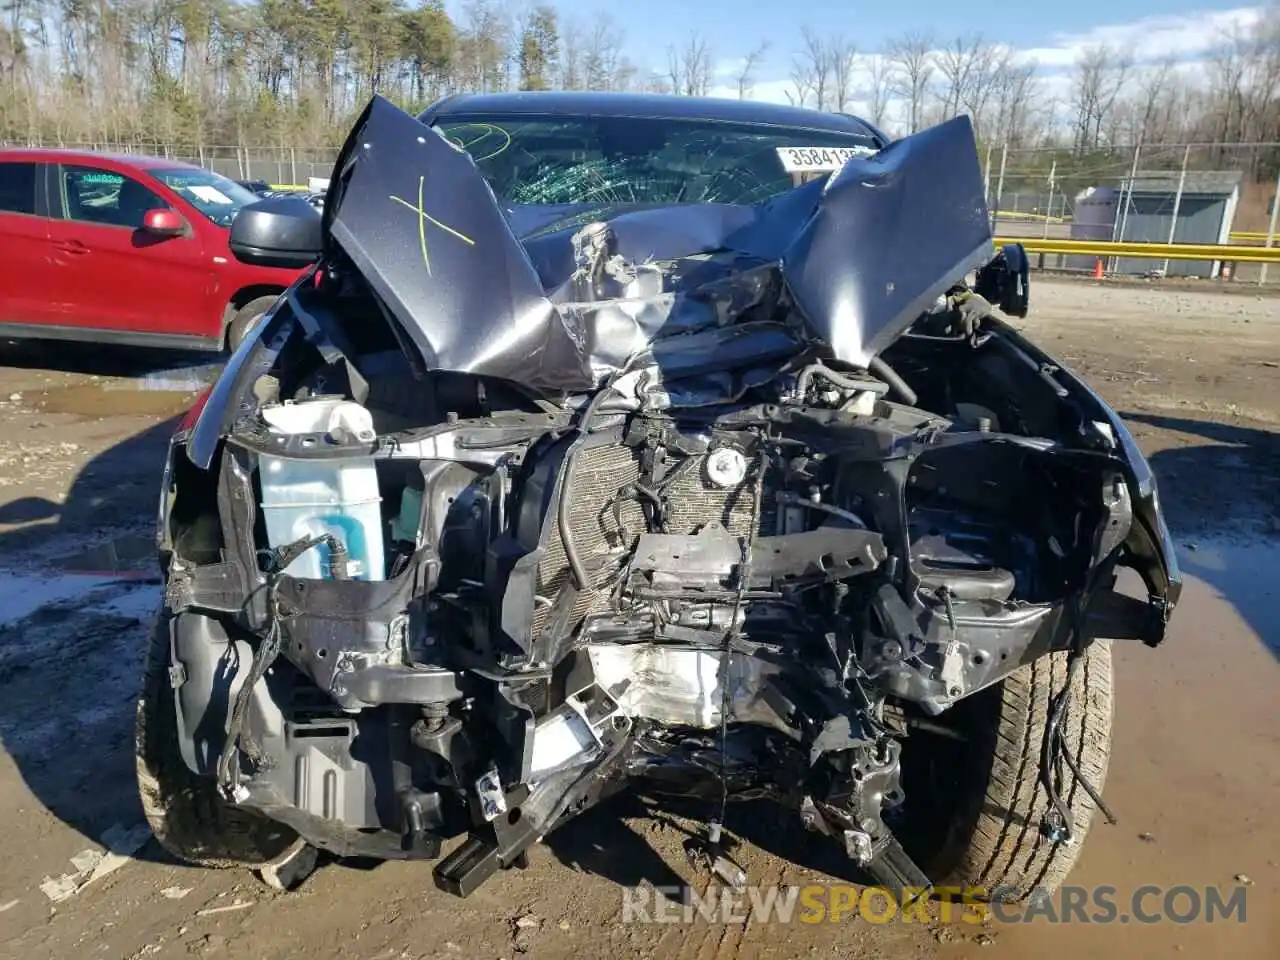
702	501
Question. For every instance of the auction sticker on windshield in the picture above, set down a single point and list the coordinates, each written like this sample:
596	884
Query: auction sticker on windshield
209	194
819	159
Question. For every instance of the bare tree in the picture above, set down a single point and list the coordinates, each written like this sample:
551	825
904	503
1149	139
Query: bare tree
1244	82
957	61
1227	65
602	60
187	75
485	46
1100	75
842	55
1263	109
654	83
992	71
801	85
1002	112
879	87
675	68
571	72
811	71
978	77
689	67
1015	90
747	73
1145	113
912	58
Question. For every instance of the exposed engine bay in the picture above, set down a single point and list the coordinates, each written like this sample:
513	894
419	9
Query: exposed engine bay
698	550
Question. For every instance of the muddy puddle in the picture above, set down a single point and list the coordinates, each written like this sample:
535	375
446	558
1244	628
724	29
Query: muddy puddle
23	594
163	392
1195	756
1244	575
131	555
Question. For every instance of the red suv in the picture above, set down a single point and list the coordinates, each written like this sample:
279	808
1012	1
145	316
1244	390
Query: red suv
124	249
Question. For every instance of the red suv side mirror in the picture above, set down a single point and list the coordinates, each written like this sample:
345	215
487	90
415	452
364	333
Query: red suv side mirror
163	223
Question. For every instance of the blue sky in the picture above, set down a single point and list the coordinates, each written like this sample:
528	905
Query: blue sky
735	26
1052	33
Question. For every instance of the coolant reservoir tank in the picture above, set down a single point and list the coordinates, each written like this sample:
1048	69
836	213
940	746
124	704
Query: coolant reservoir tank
337	495
345	420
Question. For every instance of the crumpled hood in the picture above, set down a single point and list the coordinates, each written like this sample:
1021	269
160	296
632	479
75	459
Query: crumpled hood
500	293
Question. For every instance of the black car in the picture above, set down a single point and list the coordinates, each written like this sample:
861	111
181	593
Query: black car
259	187
625	442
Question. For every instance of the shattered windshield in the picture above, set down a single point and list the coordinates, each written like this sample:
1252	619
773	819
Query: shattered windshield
638	160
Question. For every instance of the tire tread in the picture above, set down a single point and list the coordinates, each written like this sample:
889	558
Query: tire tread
1005	848
186	815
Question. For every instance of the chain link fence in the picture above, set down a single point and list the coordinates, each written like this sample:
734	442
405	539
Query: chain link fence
280	166
1166	193
1197	193
283	166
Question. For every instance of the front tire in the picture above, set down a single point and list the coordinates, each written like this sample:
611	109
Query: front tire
245	319
186	813
991	800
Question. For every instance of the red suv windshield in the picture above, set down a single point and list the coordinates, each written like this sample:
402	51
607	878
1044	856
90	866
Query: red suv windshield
216	196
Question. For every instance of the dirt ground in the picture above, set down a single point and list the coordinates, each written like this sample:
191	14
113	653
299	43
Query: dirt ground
1195	776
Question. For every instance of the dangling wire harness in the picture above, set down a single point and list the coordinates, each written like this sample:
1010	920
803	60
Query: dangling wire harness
711	852
277	561
1058	824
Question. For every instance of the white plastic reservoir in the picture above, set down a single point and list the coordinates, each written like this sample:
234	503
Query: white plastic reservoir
303	498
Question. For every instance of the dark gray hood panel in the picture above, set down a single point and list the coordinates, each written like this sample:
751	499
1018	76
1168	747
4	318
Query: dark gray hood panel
479	290
889	235
424	229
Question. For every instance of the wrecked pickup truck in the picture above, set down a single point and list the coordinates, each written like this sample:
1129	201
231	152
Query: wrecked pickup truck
652	444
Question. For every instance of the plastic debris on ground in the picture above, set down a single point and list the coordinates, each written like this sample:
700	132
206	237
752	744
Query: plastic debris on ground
121	844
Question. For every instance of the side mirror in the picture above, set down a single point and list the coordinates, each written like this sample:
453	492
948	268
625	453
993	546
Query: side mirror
277	232
1004	281
163	223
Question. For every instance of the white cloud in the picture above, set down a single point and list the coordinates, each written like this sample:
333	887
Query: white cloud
729	69
768	91
1185	36
775	90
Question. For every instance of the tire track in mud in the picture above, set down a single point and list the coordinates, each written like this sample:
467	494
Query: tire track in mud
1216	469
736	936
704	939
70	648
71	629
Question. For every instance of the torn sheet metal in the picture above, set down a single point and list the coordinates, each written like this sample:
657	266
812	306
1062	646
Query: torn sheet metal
891	233
685	686
507	294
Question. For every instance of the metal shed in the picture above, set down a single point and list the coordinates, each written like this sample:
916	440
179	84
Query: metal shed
1204	211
